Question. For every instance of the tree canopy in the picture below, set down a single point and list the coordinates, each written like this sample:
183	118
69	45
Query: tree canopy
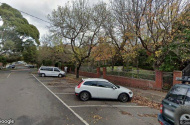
16	28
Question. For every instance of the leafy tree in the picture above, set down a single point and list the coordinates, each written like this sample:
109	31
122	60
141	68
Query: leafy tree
30	52
104	51
152	23
80	25
15	28
53	51
3	60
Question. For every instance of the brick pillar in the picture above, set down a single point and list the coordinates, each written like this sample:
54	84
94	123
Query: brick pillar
98	72
159	79
176	74
104	72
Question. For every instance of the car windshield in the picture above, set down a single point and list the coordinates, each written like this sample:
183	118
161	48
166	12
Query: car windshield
115	85
177	95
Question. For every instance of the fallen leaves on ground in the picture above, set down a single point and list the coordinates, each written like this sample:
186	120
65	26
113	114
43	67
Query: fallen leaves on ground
53	84
145	102
125	113
148	115
72	80
97	117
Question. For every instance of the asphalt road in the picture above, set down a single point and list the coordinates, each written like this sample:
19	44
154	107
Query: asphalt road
25	101
32	100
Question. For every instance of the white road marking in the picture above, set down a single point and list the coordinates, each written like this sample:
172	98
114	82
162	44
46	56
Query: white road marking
8	75
116	106
60	86
64	93
63	102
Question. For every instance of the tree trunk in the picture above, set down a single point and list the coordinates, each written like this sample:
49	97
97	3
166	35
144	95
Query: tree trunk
77	74
78	68
112	64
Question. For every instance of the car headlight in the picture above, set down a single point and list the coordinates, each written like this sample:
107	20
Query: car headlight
130	93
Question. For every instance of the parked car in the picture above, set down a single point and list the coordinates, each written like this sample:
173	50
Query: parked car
30	66
101	88
11	66
175	108
50	71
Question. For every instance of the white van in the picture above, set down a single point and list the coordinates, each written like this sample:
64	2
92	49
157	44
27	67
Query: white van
50	71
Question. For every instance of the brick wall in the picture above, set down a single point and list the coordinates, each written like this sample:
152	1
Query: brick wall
176	74
159	79
89	74
139	83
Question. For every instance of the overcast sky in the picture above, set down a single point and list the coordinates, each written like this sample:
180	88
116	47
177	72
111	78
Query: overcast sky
38	8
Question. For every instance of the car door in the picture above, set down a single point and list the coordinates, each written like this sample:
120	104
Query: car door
107	90
56	72
91	86
49	71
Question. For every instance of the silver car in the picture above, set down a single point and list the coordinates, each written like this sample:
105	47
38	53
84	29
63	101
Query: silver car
50	71
101	88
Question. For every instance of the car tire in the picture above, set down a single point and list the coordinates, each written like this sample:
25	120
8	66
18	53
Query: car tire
59	75
182	114
123	97
43	75
84	96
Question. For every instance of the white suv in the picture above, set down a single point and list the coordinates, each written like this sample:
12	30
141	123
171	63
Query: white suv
101	88
50	71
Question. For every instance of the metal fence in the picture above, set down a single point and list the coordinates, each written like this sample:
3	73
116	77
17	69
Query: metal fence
88	69
167	80
139	74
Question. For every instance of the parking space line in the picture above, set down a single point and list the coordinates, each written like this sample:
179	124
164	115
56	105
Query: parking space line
8	75
51	82
60	86
64	93
79	117
116	106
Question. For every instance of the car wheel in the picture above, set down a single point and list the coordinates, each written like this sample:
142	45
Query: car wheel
59	75
123	97
182	115
43	75
84	96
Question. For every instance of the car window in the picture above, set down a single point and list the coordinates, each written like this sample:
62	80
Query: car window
42	68
56	70
90	83
187	99
177	94
105	84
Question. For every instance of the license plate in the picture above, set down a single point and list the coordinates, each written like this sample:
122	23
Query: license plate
168	112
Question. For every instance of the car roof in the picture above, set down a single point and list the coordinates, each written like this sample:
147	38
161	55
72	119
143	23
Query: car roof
94	79
184	85
48	67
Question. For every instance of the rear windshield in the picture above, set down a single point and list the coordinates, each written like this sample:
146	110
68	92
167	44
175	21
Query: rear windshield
177	94
90	83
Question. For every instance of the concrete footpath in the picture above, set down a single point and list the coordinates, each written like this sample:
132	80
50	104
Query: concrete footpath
152	95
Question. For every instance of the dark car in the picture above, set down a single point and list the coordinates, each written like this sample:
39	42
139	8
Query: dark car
173	109
31	66
11	67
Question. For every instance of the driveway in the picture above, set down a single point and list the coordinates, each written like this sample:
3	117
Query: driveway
32	100
101	112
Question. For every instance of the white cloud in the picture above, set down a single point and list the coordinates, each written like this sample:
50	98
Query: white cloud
38	8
